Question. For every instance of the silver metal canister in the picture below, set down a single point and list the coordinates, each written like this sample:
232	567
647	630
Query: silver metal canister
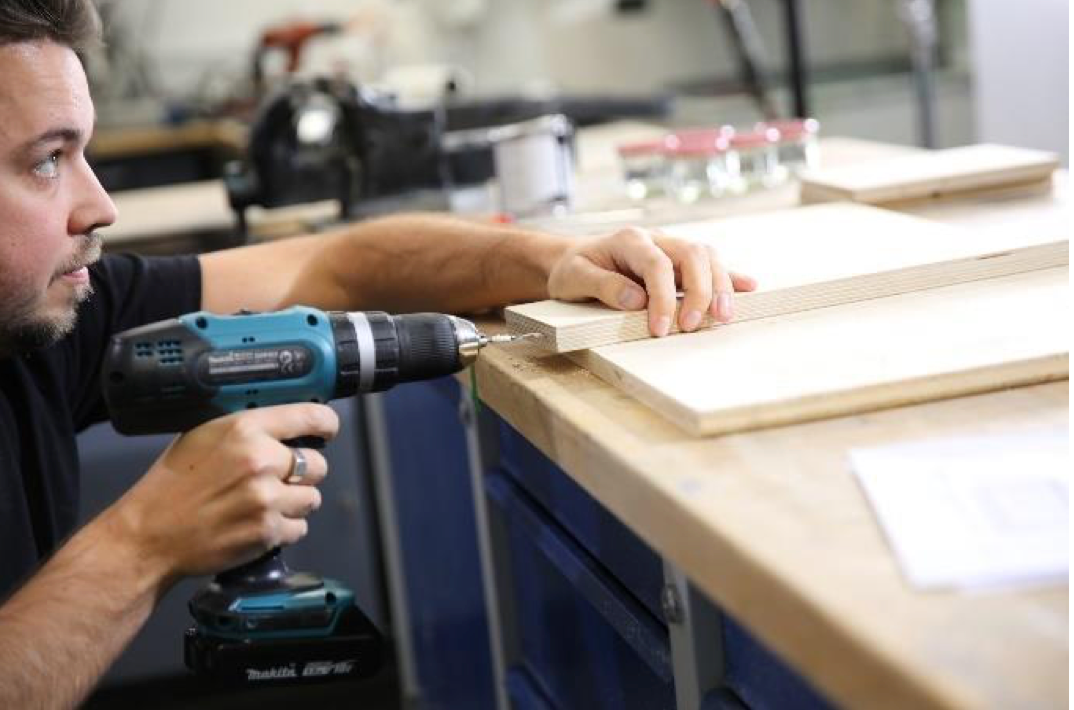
534	165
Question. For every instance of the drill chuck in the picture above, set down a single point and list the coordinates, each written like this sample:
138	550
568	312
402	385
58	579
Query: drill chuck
389	350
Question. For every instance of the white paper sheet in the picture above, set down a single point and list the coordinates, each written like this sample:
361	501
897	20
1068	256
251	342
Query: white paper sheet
974	512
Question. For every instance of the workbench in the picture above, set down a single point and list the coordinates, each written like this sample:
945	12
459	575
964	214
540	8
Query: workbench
701	568
772	527
625	564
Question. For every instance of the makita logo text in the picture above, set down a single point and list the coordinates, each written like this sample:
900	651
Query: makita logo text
276	673
313	669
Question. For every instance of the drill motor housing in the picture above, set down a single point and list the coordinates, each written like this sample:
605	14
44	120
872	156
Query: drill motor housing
173	375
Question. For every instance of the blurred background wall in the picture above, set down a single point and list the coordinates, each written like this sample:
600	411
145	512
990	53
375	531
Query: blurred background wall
857	52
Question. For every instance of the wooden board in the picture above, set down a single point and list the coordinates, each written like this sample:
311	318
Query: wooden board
813	257
888	352
930	174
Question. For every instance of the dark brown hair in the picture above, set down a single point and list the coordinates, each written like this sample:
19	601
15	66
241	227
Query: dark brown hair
74	23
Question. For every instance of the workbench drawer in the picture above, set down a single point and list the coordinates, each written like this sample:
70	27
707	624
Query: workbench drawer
523	693
583	639
432	513
627	557
760	679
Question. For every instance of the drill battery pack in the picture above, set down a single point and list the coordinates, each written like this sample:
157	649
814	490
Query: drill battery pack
353	650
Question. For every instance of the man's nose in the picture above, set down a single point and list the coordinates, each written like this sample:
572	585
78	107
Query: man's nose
92	208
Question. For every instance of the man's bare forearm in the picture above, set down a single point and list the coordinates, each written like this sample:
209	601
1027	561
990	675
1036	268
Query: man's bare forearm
69	622
400	263
432	263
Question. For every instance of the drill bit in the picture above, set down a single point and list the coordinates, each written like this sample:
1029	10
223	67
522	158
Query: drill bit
512	338
471	341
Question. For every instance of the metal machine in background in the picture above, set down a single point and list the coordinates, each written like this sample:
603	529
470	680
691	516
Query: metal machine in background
290	38
328	139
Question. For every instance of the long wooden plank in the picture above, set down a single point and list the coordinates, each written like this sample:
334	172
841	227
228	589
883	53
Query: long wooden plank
930	174
946	342
813	257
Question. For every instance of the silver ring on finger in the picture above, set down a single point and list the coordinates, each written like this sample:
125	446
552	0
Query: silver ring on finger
298	466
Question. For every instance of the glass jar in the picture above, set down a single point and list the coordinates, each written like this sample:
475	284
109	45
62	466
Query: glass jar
695	135
700	164
643	166
799	145
758	155
725	175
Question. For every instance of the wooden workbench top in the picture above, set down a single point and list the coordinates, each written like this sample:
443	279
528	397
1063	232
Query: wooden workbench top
772	526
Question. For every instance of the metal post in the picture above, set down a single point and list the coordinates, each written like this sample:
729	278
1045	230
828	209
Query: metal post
919	16
751	54
696	636
492	547
376	423
797	72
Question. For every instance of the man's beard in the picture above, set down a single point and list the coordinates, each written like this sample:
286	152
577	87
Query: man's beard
23	327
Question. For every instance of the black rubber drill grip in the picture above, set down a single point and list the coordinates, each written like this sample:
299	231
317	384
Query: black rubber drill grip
427	346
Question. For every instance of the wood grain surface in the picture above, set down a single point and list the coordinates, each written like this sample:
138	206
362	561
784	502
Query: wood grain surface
813	257
930	174
879	353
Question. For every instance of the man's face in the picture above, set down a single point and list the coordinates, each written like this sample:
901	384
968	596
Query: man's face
50	200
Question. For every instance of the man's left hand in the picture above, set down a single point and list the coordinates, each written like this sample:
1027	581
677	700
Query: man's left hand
634	268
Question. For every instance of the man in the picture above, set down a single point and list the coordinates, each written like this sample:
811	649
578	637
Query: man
219	495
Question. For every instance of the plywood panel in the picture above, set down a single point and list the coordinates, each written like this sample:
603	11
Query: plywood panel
929	174
813	257
887	352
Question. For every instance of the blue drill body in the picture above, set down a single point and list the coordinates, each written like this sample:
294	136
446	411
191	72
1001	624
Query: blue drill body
261	621
268	358
173	375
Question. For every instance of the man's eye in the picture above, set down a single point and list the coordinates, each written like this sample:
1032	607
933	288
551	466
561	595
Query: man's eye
49	168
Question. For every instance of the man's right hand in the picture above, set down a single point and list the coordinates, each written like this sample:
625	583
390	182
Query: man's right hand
218	496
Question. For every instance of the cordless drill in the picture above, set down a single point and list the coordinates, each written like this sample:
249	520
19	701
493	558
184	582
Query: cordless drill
261	622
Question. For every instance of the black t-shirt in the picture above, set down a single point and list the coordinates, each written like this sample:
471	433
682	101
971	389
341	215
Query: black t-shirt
49	395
